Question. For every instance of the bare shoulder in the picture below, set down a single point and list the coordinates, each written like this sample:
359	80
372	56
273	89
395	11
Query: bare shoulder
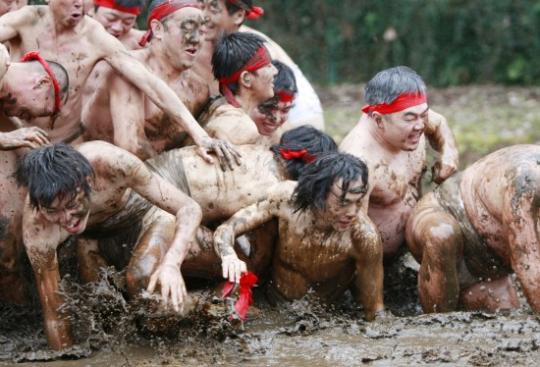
98	150
26	15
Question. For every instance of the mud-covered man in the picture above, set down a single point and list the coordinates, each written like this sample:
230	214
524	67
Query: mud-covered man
477	228
246	74
326	242
62	33
173	36
70	190
228	16
118	18
390	137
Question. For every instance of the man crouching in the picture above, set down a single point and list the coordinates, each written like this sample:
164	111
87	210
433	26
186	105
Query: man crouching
325	241
71	189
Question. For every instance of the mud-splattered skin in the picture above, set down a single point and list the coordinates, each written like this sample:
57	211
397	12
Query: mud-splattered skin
470	240
116	173
312	252
62	33
143	128
395	173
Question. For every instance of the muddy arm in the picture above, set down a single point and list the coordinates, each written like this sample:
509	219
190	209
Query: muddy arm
11	22
41	251
368	254
127	112
521	216
442	140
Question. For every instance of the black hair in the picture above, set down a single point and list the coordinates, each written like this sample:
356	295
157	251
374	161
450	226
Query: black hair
236	5
388	84
51	171
232	53
316	180
305	137
285	79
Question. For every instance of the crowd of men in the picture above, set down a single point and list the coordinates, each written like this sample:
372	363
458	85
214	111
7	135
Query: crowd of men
196	148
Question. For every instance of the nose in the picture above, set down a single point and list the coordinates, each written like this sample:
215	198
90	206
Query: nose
116	26
274	70
78	4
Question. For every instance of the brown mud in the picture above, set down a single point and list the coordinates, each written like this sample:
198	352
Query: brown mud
112	332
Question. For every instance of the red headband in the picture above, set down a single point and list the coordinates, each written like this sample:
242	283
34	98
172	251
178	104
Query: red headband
285	96
255	12
161	11
290	154
245	297
402	102
260	59
34	55
135	10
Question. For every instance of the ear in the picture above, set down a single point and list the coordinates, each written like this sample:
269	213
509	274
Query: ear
239	17
90	180
245	79
157	29
378	118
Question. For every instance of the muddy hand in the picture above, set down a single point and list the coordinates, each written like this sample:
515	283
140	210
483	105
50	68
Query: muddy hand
173	288
233	268
29	137
226	154
441	171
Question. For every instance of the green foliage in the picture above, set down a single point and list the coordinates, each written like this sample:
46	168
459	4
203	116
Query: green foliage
448	42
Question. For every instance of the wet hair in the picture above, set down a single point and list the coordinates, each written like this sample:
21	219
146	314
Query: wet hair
316	180
284	81
234	6
128	3
155	3
305	137
52	171
60	74
232	53
388	84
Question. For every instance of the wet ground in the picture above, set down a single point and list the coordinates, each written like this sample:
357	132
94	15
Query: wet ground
112	332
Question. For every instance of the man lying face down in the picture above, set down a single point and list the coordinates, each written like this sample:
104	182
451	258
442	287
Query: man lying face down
325	241
32	88
476	229
71	189
220	194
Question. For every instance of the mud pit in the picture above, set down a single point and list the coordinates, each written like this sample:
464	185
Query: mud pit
304	333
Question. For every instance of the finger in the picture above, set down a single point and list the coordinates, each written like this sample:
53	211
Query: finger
227	156
204	155
243	268
152	283
43	135
236	155
217	149
29	144
174	298
182	292
38	139
224	269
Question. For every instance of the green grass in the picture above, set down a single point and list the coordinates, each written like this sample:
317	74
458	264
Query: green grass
483	118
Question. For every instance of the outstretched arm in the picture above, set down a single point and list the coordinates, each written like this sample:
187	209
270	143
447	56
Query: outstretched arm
442	140
11	22
169	198
245	220
368	254
163	96
41	241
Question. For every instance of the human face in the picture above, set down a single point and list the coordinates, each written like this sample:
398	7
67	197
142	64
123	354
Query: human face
270	115
67	13
262	83
31	96
116	22
217	19
70	212
7	5
182	33
342	207
403	130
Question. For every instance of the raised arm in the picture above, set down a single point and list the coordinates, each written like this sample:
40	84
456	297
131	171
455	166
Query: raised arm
442	140
368	255
41	242
245	220
163	96
10	23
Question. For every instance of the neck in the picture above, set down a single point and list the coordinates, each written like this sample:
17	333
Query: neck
246	100
159	62
376	133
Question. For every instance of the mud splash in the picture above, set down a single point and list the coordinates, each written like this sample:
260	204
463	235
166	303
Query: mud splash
304	333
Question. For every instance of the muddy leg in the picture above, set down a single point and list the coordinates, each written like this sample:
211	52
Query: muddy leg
434	237
499	294
90	260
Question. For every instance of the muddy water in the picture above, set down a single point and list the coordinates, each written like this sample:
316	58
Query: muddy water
305	333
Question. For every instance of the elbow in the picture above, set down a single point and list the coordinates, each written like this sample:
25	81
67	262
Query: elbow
191	210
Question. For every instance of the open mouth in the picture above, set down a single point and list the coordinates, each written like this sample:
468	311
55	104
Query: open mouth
76	16
192	51
75	227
